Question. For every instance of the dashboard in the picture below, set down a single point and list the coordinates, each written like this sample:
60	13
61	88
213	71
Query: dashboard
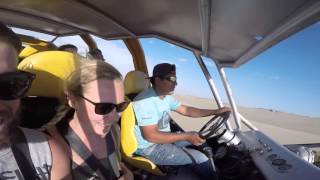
274	160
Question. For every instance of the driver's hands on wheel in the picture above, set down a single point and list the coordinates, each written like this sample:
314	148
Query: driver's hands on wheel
194	138
211	128
222	110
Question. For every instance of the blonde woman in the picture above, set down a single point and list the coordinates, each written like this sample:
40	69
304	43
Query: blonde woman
95	95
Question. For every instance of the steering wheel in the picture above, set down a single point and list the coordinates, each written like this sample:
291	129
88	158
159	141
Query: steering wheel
212	126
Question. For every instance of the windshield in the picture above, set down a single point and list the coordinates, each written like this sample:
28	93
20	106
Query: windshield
278	91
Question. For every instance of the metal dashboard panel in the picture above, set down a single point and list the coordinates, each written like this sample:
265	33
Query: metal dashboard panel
274	160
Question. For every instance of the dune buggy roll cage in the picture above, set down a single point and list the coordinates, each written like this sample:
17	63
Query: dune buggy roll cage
228	32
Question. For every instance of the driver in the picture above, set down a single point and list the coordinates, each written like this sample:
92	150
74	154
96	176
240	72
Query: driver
155	139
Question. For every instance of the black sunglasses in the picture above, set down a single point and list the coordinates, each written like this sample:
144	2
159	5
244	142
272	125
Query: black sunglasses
105	108
14	85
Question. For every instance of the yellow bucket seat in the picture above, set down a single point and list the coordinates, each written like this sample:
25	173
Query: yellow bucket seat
135	82
46	94
51	69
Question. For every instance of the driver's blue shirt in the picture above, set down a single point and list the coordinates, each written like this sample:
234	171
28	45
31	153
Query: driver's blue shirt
151	110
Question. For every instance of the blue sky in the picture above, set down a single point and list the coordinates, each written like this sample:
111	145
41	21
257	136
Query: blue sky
284	78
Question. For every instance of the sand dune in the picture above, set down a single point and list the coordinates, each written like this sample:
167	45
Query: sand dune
283	127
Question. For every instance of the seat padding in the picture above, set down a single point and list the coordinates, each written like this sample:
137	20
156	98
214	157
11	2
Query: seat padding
46	94
129	143
135	82
52	68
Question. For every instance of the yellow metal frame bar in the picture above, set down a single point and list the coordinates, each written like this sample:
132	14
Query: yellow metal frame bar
137	53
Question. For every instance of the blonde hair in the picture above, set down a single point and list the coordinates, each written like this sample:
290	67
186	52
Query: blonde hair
87	71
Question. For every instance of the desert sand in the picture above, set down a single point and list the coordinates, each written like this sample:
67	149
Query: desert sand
283	127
